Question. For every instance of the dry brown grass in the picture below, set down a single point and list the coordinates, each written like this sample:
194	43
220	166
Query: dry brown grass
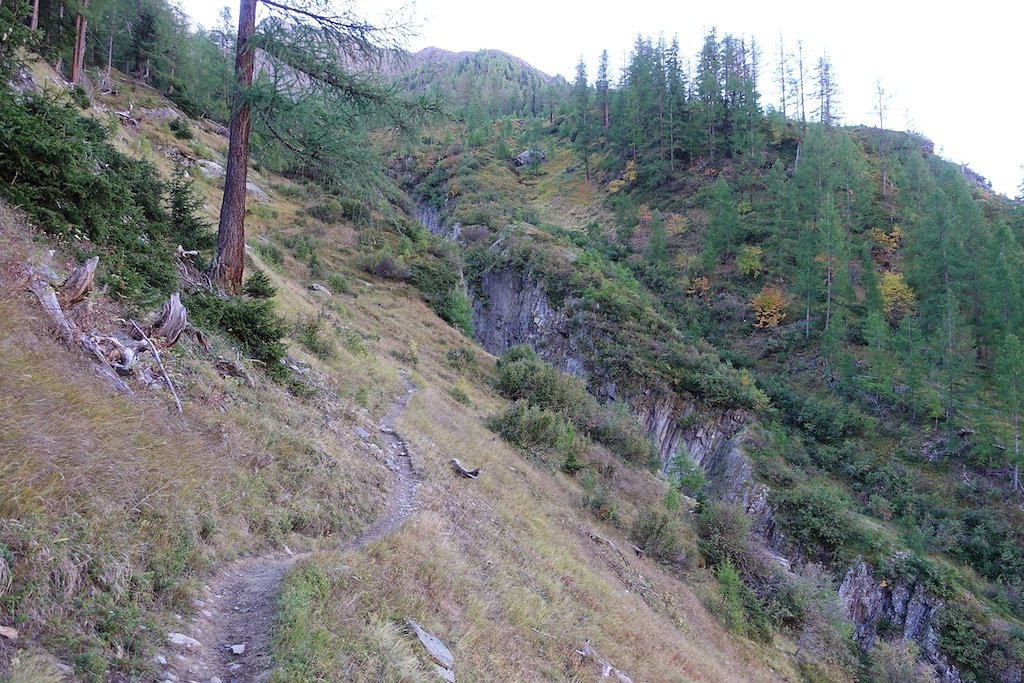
113	507
500	568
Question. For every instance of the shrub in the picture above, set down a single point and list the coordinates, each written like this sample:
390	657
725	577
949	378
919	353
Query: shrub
251	323
181	128
339	284
658	533
78	187
897	297
460	358
816	517
769	307
687	476
458	392
310	333
724	532
742	611
749	261
523	375
384	264
259	286
597	498
537	430
458	312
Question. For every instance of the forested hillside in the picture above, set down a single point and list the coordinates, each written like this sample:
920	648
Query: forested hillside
779	357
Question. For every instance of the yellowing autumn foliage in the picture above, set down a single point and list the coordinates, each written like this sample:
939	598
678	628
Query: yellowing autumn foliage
749	261
644	214
769	307
897	296
676	224
629	175
700	287
890	241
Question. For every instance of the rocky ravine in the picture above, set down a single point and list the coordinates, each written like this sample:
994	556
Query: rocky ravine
511	308
229	639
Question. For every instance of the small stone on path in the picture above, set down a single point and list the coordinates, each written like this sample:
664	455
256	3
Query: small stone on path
181	640
238	649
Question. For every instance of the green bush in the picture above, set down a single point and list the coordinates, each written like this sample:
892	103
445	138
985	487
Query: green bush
259	286
537	430
687	476
310	333
724	533
742	611
339	284
597	497
522	375
78	187
658	533
251	323
458	312
181	128
817	518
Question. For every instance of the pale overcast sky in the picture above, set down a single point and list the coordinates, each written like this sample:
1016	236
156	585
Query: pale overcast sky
954	71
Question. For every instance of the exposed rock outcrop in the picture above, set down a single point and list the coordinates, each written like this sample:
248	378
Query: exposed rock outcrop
905	608
512	309
430	218
529	157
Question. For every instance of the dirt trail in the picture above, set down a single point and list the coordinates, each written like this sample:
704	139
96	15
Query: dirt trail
239	603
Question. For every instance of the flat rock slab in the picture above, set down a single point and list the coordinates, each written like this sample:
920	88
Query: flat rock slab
441	655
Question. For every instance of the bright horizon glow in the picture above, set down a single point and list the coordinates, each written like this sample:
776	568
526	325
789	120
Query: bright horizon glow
952	75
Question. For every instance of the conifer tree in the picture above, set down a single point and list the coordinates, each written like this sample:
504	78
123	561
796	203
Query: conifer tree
306	43
602	85
723	223
583	126
1010	384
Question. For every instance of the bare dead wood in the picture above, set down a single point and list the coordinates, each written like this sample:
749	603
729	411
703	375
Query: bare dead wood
79	283
597	538
462	471
120	354
69	333
159	362
127	118
234	368
588	653
172	321
195	280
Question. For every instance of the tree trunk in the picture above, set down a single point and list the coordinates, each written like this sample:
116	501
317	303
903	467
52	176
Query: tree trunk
78	58
35	15
229	260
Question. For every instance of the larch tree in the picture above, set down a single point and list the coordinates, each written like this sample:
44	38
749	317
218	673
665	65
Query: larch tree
581	114
602	85
308	49
1010	384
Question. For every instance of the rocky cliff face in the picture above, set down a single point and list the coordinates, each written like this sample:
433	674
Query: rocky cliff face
512	309
903	607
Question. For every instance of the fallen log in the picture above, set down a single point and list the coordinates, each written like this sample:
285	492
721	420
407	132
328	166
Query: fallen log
462	471
440	655
597	538
607	670
156	354
70	334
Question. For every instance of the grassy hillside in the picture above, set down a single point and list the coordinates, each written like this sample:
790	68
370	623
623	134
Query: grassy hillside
882	435
115	513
